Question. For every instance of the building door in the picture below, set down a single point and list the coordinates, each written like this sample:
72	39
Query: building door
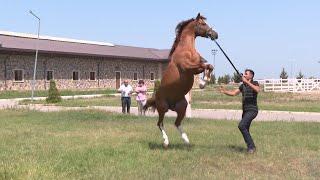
118	79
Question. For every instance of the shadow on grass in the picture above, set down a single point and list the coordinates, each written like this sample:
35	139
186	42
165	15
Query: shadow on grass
181	146
236	148
157	146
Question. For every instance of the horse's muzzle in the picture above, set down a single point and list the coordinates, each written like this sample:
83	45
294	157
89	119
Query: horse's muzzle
212	34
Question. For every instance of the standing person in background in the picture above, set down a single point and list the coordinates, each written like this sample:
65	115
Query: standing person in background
188	98
126	91
141	91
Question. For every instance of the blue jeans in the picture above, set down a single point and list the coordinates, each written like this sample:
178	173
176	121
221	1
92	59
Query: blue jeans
126	103
244	126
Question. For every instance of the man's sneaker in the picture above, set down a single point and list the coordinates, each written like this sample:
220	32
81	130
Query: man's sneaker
251	150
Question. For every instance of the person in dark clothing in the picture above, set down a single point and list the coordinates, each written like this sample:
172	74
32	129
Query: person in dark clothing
249	90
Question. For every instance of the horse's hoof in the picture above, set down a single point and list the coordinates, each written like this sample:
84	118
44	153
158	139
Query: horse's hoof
165	146
202	84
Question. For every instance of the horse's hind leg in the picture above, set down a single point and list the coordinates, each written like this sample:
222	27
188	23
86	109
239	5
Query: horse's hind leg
181	112
162	109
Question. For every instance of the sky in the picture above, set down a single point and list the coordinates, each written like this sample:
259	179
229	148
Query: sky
265	36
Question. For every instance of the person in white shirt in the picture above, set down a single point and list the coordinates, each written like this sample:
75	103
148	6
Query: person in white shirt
126	91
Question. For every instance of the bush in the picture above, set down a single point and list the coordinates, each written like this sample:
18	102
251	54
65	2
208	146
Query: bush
54	95
156	86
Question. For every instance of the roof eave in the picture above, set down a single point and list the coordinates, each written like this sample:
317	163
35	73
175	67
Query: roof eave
83	54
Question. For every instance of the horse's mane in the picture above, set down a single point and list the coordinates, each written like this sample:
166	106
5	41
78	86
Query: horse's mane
179	29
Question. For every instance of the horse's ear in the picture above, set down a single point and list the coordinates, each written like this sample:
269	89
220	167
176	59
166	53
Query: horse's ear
198	16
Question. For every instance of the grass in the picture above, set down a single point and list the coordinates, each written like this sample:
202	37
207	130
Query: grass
107	100
44	93
99	145
210	98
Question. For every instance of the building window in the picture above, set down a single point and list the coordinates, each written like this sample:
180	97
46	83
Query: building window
49	75
75	75
152	76
18	75
92	76
135	76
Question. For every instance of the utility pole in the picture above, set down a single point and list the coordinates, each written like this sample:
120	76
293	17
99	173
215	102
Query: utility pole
36	58
214	53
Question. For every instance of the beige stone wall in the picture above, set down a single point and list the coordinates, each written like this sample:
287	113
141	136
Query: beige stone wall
63	66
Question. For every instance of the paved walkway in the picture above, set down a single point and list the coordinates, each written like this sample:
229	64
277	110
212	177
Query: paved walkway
196	113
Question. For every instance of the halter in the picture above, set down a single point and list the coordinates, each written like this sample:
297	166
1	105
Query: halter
197	29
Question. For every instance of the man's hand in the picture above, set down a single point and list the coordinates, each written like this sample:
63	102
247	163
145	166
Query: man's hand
254	87
244	80
229	92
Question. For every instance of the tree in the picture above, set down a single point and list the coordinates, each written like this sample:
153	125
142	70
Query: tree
213	79
220	80
283	74
227	79
236	78
224	79
300	75
54	95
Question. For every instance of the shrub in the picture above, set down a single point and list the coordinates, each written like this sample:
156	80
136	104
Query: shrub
54	95
156	86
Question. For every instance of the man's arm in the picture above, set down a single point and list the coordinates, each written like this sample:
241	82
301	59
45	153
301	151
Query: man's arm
131	90
120	89
230	92
256	88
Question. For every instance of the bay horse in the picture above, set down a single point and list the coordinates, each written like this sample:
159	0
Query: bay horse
178	77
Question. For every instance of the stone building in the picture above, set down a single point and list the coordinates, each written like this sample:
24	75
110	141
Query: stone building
75	64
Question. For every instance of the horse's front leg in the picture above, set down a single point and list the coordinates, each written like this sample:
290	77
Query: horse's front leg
207	69
200	69
207	72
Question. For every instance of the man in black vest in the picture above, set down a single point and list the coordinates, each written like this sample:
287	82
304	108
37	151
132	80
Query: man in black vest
249	90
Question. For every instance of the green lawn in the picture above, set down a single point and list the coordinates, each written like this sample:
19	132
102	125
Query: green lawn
99	145
210	98
107	100
43	93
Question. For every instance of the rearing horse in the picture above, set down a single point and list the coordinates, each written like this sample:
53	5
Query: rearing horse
178	77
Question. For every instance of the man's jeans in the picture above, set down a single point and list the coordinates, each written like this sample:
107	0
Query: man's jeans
126	103
244	126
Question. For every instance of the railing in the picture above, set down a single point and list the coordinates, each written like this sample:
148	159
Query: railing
290	85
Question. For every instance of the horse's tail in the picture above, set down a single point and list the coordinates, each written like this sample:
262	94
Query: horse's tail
151	102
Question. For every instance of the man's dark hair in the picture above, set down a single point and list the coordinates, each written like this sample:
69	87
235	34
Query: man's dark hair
251	71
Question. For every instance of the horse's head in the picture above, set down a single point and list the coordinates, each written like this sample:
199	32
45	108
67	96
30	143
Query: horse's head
202	29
